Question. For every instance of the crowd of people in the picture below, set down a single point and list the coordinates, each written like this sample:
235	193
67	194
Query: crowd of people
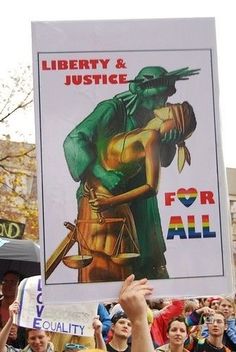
133	324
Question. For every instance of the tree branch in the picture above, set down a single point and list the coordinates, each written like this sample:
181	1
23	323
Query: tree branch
17	173
26	153
14	191
21	105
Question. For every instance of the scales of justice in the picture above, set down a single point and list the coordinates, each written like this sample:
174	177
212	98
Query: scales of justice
83	258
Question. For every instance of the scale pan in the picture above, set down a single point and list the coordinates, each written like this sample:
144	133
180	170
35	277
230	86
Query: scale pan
124	258
77	261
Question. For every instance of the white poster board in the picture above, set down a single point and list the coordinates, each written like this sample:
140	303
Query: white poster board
77	66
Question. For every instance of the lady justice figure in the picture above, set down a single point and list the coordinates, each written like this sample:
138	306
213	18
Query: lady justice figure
125	153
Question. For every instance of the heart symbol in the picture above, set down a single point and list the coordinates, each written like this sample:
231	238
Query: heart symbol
187	196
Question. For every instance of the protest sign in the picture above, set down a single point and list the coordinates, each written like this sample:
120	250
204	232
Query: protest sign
131	173
74	319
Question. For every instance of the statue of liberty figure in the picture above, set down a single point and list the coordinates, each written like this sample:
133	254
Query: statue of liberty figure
116	153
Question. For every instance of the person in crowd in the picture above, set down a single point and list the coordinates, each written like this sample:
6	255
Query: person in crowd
105	319
195	322
121	331
10	282
176	334
157	305
189	306
203	302
217	325
115	309
132	299
109	306
150	318
214	302
160	303
173	309
38	340
153	304
227	308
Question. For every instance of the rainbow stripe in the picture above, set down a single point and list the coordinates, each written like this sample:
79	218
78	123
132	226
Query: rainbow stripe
187	196
176	228
191	228
206	227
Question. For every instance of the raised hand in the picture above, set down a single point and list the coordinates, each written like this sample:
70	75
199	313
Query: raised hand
133	296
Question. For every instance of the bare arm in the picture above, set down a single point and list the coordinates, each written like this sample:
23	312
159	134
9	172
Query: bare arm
4	334
132	300
97	326
150	141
